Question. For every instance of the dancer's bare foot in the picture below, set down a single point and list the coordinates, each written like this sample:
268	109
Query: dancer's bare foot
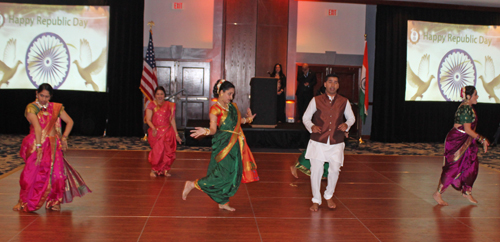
18	207
167	174
439	199
56	207
188	186
331	204
471	199
293	169
314	207
227	207
152	174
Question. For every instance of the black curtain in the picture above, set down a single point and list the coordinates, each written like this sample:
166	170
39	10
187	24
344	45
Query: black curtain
395	120
121	105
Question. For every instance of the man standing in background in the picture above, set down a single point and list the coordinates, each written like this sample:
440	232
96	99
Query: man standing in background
306	81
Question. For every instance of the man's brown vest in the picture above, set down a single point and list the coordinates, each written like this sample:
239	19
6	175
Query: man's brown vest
328	116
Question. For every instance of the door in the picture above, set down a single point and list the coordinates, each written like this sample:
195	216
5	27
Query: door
193	79
165	71
188	85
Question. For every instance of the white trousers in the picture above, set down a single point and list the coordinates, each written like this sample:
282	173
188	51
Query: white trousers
317	174
334	155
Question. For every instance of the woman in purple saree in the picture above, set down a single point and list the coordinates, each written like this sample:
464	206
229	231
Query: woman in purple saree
47	177
460	150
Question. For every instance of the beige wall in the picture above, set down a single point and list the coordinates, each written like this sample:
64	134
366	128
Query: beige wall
191	27
317	32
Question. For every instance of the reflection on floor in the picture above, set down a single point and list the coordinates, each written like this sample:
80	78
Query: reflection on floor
379	198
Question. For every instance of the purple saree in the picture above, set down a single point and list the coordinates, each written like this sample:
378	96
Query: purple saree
460	160
53	181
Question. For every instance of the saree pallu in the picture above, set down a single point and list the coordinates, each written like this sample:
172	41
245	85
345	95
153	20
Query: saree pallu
304	165
231	161
461	165
164	144
53	181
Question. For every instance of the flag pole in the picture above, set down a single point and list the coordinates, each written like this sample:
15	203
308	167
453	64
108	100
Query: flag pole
145	138
151	24
361	105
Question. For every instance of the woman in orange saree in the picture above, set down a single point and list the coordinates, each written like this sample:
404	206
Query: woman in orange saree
162	134
47	177
231	161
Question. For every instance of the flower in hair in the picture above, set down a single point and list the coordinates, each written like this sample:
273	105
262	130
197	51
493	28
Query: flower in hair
462	93
218	85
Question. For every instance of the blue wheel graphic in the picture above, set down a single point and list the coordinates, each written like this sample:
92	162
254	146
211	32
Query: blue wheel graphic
47	60
456	70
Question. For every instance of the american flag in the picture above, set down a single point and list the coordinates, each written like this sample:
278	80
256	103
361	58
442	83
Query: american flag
149	80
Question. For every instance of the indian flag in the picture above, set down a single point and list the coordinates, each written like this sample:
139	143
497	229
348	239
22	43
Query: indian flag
363	87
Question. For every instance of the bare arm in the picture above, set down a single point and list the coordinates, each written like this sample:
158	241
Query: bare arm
149	115
199	131
31	117
174	126
249	117
69	126
69	123
473	134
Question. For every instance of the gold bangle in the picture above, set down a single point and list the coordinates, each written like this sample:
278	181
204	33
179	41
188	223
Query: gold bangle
250	120
480	139
207	133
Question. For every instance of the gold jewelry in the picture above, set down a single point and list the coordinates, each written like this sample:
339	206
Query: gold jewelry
250	120
207	133
227	109
480	139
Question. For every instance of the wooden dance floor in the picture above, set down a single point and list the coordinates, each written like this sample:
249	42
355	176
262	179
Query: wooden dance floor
379	198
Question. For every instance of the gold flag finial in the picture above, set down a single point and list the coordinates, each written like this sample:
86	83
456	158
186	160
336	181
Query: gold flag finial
151	24
365	37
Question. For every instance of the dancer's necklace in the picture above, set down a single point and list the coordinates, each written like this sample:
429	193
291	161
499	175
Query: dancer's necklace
225	108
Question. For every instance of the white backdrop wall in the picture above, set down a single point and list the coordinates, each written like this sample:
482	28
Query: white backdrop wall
191	27
318	32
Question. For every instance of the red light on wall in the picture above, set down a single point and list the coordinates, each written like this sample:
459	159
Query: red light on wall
176	5
332	12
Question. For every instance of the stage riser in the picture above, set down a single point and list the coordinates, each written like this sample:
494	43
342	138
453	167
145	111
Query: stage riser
284	136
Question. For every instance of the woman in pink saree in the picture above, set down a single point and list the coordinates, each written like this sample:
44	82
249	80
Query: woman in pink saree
460	150
47	177
162	134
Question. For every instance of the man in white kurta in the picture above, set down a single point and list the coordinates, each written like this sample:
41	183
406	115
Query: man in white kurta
324	119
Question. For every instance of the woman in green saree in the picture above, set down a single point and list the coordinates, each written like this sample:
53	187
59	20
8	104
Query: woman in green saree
231	161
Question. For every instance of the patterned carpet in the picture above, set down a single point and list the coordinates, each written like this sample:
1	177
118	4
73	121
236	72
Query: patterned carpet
10	144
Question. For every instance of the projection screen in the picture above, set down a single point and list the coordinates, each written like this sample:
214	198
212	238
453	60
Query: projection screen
442	58
65	46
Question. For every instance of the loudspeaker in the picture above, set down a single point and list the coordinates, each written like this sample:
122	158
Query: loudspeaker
263	100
